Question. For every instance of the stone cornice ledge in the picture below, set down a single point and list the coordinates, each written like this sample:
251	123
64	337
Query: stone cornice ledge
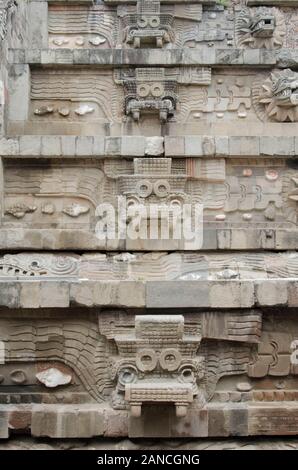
142	57
56	146
151	294
149	281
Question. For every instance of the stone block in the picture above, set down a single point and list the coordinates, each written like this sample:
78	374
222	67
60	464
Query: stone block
132	146
9	294
19	90
30	294
193	146
69	421
84	146
174	146
271	145
274	421
222	145
270	292
292	293
54	294
98	146
4	429
68	145
38	24
154	146
231	294
113	146
116	423
51	146
244	146
30	145
9	146
177	294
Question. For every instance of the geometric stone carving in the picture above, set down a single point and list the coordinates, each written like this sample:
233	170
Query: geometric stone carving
147	25
276	99
158	364
193	362
254	194
79	27
159	360
146	90
21	265
74	348
159	24
150	91
188	266
139	105
6	9
156	89
260	28
108	101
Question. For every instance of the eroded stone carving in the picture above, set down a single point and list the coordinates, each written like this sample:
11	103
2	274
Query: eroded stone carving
156	89
161	361
84	93
260	28
39	265
65	196
276	98
6	9
19	210
53	377
148	25
56	352
78	26
152	266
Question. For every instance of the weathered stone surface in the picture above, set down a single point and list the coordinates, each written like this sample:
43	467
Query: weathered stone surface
113	321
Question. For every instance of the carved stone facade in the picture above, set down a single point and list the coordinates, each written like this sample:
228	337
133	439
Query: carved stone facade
110	108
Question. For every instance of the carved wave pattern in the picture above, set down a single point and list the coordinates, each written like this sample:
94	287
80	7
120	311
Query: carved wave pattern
83	21
72	180
80	86
222	359
78	344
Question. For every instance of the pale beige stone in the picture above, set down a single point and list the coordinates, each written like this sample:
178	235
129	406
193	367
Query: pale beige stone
271	293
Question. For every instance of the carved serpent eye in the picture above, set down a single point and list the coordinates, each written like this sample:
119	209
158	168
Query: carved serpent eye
157	90
143	90
127	375
187	374
146	360
142	22
162	188
170	359
144	188
154	21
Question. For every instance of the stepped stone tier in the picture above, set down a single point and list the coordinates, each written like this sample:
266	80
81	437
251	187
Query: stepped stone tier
152	102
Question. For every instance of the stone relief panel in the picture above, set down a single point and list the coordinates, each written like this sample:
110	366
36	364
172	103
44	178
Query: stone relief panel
259	28
138	101
129	361
276	98
152	24
75	99
246	194
125	360
77	26
86	98
39	265
55	196
160	360
162	266
158	24
53	358
272	374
